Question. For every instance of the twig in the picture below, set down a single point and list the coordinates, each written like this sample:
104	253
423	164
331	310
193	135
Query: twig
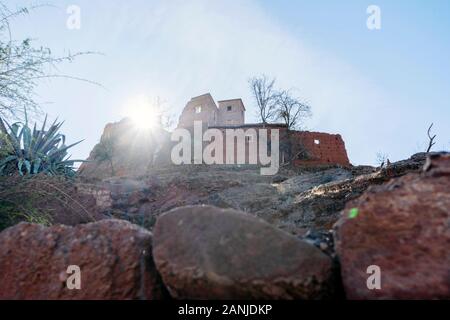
431	143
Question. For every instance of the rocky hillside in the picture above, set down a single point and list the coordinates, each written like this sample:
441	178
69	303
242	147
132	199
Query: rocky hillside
395	219
296	200
140	228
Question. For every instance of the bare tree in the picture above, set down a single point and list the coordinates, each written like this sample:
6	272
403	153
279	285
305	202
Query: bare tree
291	110
21	67
431	141
381	159
264	93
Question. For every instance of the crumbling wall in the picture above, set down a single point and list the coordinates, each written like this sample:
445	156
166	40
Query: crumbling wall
322	148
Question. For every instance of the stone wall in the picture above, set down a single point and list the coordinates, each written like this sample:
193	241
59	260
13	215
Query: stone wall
322	148
136	152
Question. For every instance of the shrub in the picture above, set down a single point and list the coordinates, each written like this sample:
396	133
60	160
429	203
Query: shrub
42	199
30	152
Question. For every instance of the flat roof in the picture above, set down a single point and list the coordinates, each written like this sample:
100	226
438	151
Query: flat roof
202	95
228	100
252	125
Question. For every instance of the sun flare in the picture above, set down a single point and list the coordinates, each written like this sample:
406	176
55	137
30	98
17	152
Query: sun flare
142	112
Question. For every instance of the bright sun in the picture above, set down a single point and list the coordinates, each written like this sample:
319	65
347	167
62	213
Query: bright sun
142	112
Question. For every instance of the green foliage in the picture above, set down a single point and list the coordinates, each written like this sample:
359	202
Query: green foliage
5	147
32	151
11	214
18	202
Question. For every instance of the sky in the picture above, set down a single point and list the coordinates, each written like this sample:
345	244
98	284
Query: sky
379	89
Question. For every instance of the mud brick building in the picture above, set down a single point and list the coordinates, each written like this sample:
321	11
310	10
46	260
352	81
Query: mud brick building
307	148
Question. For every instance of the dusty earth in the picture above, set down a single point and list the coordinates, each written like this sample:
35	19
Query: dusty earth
296	200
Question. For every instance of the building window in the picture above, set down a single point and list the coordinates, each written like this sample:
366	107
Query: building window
198	109
229	108
248	139
316	141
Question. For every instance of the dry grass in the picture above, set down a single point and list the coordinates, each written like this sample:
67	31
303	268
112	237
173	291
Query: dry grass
40	199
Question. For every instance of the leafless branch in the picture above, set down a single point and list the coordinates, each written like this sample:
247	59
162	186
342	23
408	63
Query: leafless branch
431	142
263	92
291	109
23	65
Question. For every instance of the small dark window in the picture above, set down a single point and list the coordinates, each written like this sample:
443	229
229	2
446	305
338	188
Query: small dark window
229	108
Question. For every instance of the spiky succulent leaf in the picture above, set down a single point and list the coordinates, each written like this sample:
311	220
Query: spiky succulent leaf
34	151
27	166
8	159
19	166
36	165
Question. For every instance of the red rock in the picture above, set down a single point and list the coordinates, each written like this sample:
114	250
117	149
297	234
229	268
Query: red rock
114	257
403	227
203	252
133	151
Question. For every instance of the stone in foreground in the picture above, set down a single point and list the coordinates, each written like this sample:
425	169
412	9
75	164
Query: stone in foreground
403	227
203	252
114	259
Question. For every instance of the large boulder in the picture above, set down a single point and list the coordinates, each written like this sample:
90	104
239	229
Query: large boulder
114	258
402	227
203	252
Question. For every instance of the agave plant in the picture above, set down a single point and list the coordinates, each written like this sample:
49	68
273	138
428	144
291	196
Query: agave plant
34	151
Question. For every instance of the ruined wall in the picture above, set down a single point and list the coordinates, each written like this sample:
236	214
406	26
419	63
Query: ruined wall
251	141
136	152
208	113
322	148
